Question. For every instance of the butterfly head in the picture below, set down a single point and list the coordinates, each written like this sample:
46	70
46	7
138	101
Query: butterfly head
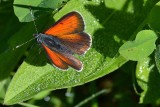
39	37
35	35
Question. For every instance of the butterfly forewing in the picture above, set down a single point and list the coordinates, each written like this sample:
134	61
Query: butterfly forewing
55	59
62	60
68	24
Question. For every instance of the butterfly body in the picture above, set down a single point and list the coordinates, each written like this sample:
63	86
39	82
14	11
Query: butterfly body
52	42
64	39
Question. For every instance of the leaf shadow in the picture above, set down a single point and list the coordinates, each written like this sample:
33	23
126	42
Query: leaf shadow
13	57
118	26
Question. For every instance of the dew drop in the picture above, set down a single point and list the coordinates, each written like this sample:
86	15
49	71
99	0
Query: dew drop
97	20
47	98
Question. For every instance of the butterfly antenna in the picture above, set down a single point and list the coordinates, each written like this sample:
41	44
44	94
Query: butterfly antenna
35	28
33	20
24	43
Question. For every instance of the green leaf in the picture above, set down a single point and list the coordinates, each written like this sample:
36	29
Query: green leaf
40	7
157	57
41	95
3	85
141	47
108	28
154	18
148	79
11	55
142	72
10	37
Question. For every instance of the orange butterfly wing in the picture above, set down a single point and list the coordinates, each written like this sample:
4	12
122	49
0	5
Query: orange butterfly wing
62	61
69	29
55	59
70	23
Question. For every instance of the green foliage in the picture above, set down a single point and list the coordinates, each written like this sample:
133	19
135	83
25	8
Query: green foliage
157	57
141	48
154	17
41	7
118	31
148	79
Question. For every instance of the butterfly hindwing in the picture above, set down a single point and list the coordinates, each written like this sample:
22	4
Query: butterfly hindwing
78	43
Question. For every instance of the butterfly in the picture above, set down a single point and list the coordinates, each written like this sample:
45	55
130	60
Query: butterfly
65	38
